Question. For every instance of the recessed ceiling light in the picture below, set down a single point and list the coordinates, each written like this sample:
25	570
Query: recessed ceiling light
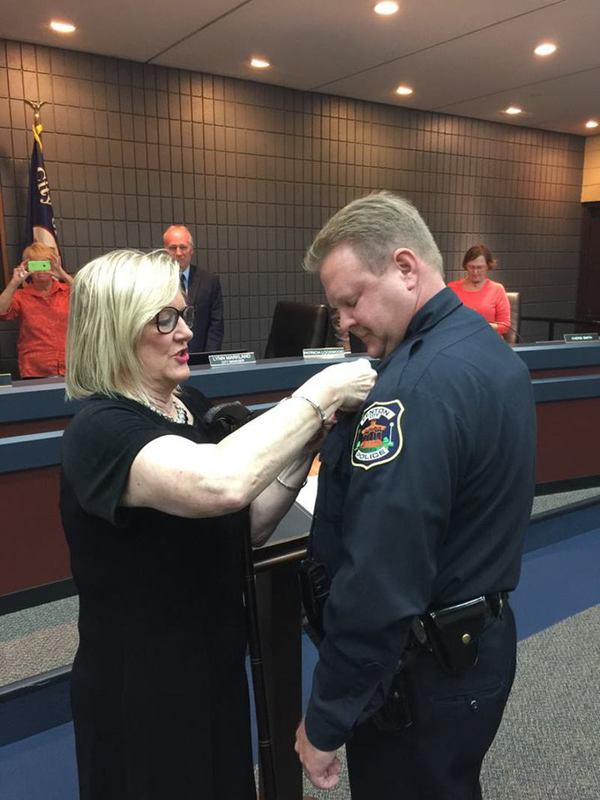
404	90
591	123
513	110
545	49
386	8
260	63
62	27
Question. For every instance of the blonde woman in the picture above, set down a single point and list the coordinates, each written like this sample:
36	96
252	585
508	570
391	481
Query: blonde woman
153	510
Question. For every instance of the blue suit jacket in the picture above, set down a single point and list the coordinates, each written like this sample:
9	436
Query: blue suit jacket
204	293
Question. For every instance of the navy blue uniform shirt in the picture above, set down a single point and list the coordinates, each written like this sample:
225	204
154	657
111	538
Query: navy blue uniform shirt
423	501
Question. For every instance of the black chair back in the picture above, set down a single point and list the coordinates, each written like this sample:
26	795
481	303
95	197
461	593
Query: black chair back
296	326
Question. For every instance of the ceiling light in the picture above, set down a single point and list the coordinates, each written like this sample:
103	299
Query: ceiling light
591	123
513	110
404	90
386	8
259	63
545	49
62	27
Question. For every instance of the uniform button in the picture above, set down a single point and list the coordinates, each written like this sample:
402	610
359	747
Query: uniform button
466	638
474	705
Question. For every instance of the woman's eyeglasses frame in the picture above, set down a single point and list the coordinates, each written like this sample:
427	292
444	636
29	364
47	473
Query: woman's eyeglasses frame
169	325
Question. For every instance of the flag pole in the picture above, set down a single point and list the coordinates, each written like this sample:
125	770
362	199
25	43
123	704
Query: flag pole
41	226
36	105
6	272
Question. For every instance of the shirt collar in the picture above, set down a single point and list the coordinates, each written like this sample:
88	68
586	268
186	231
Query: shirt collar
57	286
434	310
441	305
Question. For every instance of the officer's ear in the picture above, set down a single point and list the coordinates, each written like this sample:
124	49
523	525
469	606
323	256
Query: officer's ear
406	262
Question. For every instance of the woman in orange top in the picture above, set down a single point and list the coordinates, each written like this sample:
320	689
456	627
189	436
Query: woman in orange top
42	308
478	292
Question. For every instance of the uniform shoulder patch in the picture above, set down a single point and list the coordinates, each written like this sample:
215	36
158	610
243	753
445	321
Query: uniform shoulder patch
378	436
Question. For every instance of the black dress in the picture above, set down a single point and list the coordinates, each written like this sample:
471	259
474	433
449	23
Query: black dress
159	691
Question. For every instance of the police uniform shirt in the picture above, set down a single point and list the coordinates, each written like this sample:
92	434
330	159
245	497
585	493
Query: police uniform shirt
423	501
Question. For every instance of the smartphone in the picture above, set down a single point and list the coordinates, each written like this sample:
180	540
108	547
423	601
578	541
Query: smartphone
39	266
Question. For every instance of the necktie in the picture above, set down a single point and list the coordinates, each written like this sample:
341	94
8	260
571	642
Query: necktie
182	281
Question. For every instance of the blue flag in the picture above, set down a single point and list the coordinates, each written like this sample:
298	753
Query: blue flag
40	223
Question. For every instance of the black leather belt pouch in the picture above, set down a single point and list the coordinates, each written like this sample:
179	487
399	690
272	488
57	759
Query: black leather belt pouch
314	587
453	633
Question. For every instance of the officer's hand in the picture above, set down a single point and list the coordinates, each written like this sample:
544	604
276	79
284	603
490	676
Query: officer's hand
321	767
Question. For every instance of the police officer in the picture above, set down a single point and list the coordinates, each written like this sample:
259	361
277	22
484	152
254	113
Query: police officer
423	501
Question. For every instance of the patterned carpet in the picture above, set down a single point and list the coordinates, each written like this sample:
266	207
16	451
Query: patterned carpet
548	747
37	640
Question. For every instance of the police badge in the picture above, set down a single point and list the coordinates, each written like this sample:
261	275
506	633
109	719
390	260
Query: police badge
378	437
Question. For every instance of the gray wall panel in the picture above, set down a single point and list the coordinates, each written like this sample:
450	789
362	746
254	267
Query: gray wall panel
254	170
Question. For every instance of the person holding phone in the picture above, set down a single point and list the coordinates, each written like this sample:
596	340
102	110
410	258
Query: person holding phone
38	296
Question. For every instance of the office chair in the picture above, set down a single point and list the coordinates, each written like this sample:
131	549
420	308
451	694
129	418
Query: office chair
296	326
514	300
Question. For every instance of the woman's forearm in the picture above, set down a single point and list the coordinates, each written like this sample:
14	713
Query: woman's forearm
179	477
256	456
6	298
271	505
197	480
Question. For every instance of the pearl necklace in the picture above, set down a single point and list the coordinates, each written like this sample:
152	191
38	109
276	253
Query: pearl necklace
181	414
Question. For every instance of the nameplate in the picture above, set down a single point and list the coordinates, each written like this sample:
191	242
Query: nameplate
581	337
326	353
5	379
231	359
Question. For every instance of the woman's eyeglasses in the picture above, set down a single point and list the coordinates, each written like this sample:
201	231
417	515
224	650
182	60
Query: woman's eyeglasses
168	317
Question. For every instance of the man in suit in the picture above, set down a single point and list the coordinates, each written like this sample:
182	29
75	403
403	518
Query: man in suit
203	290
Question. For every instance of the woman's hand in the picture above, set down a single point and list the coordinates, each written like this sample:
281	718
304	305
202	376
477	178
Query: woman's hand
20	274
57	270
344	386
359	380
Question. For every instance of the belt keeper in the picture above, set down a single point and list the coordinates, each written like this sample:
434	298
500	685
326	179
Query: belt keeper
496	603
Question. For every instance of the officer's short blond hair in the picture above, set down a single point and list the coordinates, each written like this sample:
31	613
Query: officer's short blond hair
374	226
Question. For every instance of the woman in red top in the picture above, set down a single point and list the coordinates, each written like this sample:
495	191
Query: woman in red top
42	308
480	293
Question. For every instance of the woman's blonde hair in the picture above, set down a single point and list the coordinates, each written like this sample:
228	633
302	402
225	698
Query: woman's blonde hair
112	299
